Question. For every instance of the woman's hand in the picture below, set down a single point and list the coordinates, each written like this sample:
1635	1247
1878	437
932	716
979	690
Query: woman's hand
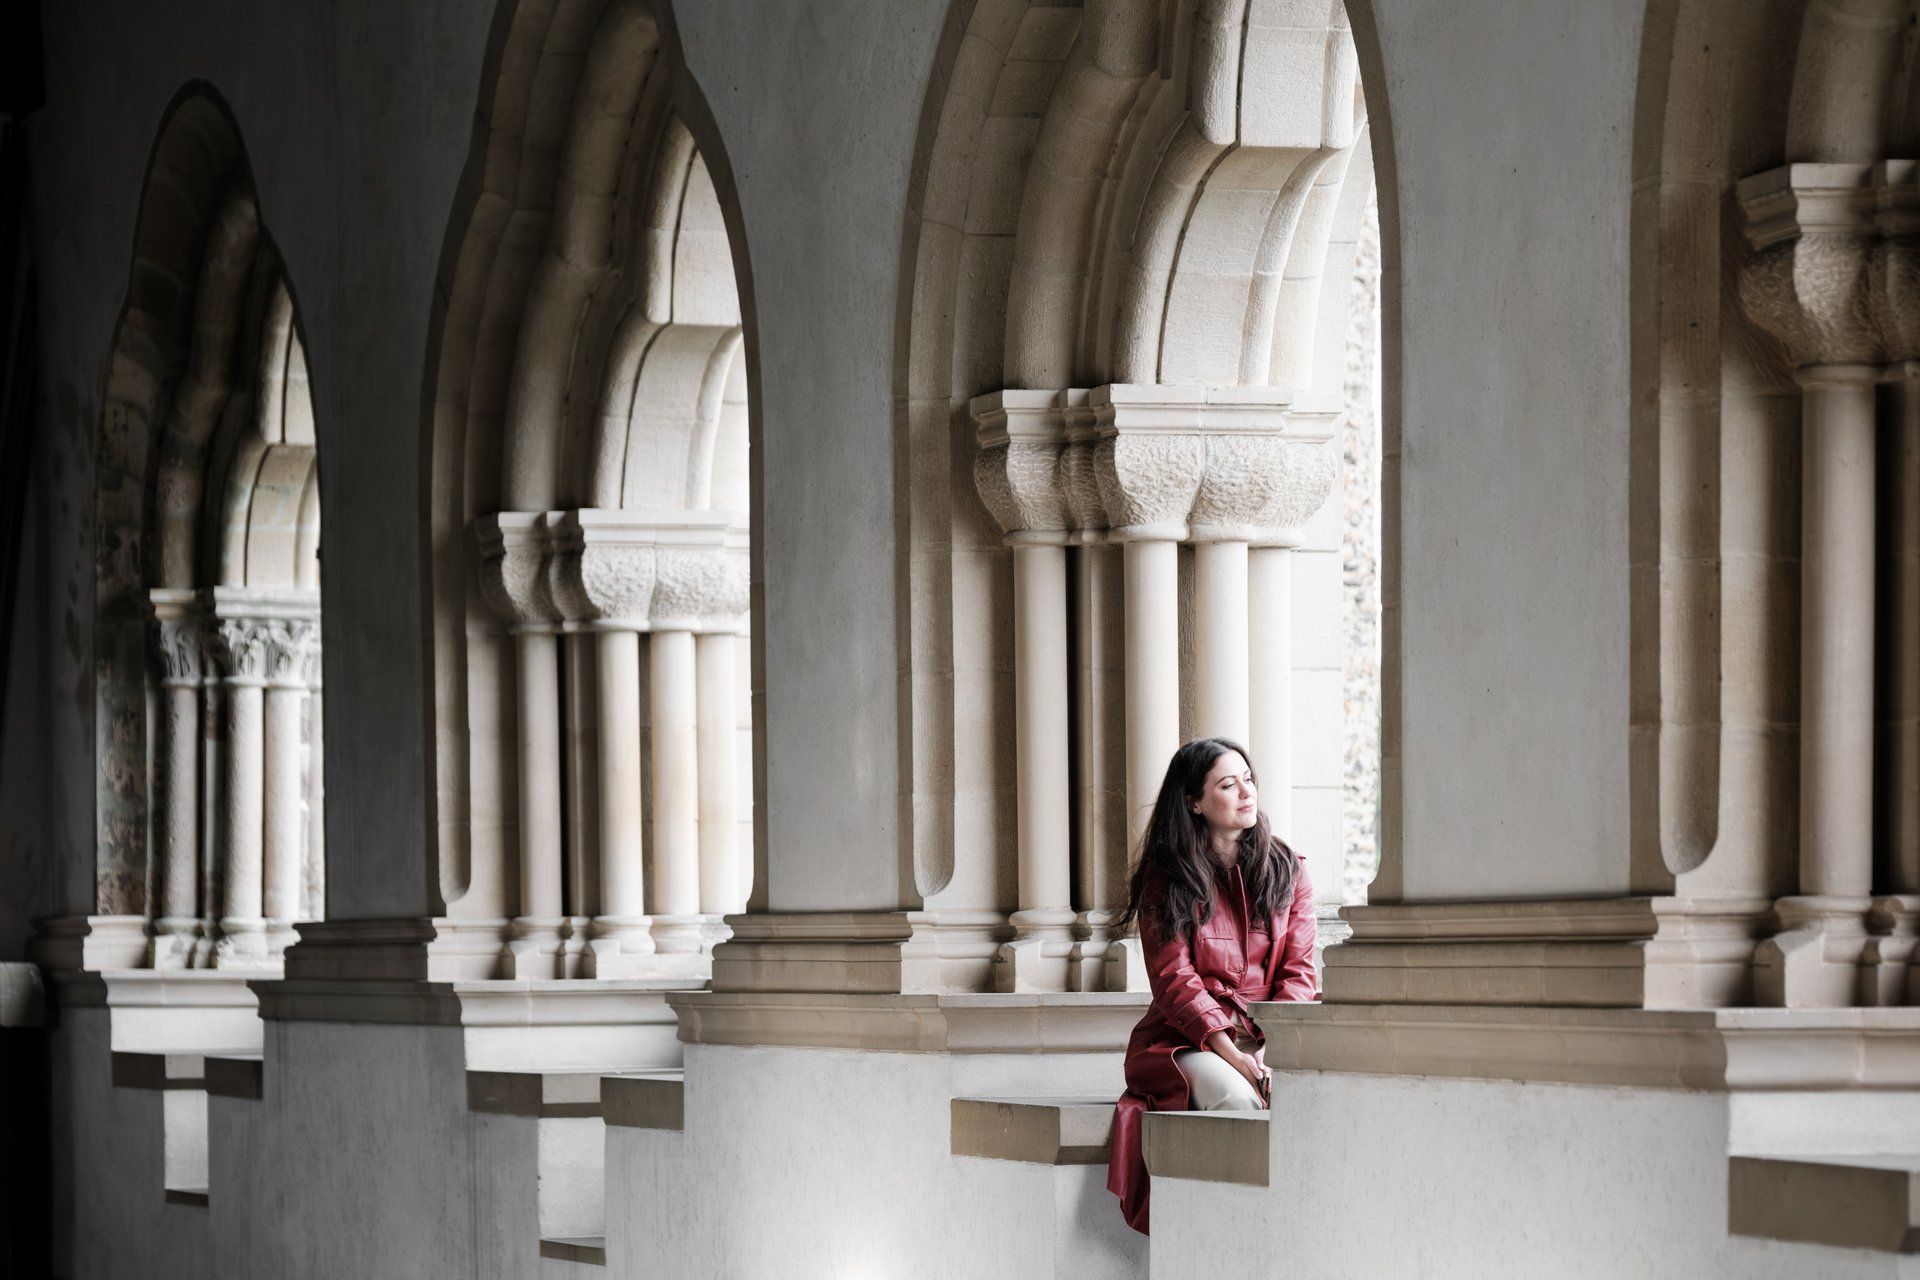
1246	1064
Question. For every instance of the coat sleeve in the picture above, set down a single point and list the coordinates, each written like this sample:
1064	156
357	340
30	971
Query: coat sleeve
1178	992
1294	977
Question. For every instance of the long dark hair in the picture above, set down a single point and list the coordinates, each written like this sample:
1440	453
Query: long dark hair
1171	887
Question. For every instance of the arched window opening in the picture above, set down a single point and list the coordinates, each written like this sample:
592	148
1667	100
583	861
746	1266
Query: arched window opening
1141	362
591	522
208	617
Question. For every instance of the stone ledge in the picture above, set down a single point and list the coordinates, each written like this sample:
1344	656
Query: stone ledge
545	1095
591	1250
235	1076
1072	1022
1850	1202
645	1100
502	1002
161	1071
1714	1049
1207	1146
1052	1131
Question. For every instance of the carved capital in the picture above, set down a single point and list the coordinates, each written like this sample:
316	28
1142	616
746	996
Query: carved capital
642	570
240	647
700	587
512	550
1260	488
289	645
1808	281
1022	437
181	643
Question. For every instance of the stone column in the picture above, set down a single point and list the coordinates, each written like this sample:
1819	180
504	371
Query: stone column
1099	729
701	585
1017	473
179	635
606	567
283	875
1148	461
513	577
1807	284
1222	707
313	903
242	649
1270	678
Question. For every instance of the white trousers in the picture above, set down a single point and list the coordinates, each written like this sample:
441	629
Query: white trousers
1214	1084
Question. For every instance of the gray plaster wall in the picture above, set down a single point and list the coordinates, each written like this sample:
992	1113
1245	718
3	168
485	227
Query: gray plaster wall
1512	138
818	104
356	118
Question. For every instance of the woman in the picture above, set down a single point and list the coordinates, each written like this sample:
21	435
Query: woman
1225	912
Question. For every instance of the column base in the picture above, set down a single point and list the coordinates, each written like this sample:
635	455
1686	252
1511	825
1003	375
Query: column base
614	944
535	948
573	945
1890	962
1040	956
1815	961
177	943
243	945
1101	959
681	935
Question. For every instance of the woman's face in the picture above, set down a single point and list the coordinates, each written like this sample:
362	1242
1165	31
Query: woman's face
1228	799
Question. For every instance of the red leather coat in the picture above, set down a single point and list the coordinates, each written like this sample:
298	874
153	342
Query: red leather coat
1199	988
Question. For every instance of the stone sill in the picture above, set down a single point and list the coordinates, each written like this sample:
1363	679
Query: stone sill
1850	1202
1709	1049
1055	1131
1022	1023
591	1250
505	1002
1207	1146
645	1100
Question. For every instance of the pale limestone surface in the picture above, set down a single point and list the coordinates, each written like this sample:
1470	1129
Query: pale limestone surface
1483	1178
1560	733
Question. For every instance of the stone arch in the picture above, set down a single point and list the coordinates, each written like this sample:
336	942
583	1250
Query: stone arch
1124	215
207	605
1769	237
590	503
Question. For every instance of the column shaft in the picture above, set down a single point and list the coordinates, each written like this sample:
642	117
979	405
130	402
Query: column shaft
240	921
314	900
1270	680
622	825
1220	641
717	718
282	855
539	771
1836	654
1044	796
676	802
1152	673
180	808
